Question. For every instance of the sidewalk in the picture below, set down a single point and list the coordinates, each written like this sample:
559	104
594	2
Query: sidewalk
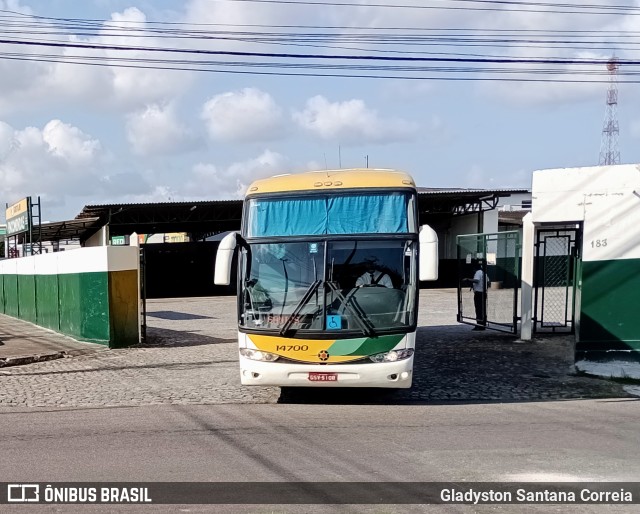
22	342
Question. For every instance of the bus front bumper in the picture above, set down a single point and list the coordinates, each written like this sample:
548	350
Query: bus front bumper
396	375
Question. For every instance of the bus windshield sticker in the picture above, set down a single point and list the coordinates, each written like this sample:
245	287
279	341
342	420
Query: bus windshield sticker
334	322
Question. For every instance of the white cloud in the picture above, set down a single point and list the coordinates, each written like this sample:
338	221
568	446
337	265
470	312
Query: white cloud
230	16
31	84
550	93
352	123
156	130
138	86
243	116
536	92
57	162
7	140
70	143
210	181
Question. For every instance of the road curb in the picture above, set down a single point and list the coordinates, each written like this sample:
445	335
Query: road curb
30	359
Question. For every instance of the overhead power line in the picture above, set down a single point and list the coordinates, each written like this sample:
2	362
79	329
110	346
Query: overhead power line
123	48
445	76
455	54
499	6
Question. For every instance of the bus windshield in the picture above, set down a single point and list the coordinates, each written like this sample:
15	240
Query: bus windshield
344	286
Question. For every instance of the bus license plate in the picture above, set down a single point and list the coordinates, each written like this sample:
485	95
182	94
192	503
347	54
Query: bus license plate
322	377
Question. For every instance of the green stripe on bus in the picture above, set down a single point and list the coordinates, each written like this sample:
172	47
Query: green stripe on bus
365	346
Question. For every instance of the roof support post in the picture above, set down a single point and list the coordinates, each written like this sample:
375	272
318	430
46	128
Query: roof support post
528	237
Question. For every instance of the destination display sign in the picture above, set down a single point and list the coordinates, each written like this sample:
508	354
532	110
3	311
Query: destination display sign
18	218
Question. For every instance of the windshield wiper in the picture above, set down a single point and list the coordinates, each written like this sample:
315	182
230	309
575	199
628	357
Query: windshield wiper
303	301
359	315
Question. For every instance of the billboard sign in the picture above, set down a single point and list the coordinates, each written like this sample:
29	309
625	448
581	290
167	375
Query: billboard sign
18	217
176	237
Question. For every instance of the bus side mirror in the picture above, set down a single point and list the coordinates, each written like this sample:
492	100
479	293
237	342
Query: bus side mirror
224	259
428	253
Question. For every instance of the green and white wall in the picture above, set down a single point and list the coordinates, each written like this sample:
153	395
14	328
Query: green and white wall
90	294
606	200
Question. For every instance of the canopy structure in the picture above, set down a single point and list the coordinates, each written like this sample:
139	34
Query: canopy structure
205	218
458	202
200	219
63	230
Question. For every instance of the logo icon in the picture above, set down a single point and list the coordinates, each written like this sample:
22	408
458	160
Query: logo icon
21	493
323	355
334	322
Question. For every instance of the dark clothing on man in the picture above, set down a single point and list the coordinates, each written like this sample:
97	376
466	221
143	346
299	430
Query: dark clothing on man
478	302
479	286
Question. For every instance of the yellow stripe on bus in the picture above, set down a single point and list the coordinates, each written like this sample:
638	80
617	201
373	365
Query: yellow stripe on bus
303	350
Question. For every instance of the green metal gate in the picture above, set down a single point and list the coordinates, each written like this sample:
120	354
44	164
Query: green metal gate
556	259
494	306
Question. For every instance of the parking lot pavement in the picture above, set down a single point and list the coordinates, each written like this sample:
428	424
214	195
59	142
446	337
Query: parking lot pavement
191	358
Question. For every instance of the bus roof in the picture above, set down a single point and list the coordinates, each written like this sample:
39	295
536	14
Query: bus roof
332	179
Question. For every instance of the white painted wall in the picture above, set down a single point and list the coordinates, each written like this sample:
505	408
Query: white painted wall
460	225
100	238
605	198
515	202
490	221
463	225
84	260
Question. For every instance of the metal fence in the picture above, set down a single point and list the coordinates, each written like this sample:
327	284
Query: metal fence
554	279
499	258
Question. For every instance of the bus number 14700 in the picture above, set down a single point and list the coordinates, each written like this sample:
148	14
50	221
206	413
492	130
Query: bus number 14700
292	348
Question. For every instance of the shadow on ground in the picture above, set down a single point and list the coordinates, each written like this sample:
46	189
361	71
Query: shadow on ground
456	364
166	338
177	316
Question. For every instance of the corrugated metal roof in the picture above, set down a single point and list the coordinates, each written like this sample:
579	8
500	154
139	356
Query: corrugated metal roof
151	218
68	229
445	190
211	216
107	206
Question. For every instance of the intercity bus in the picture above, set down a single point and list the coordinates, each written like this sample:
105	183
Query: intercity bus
329	265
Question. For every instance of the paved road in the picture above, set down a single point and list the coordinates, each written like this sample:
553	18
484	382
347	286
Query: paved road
192	354
174	411
592	440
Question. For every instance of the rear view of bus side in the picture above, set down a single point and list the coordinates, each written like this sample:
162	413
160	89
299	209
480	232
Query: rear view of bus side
329	265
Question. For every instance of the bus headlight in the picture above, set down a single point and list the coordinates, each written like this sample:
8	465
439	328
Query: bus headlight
392	356
258	355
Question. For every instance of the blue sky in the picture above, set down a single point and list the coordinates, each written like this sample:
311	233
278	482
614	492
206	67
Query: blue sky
78	135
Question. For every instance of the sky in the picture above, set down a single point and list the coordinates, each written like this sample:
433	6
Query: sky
80	135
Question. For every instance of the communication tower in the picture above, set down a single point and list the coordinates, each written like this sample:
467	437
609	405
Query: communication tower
609	152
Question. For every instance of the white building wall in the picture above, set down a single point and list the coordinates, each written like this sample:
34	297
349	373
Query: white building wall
460	225
605	198
515	202
100	238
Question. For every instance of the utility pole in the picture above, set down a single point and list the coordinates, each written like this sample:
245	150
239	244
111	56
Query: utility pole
609	151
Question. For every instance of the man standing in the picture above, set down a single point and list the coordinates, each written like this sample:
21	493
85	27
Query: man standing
479	285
